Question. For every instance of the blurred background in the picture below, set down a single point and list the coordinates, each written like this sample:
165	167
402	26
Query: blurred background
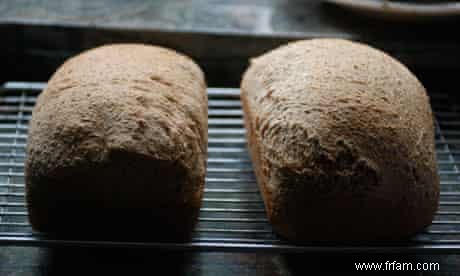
39	34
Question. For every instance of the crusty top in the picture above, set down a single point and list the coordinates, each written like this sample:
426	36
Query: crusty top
330	109
127	97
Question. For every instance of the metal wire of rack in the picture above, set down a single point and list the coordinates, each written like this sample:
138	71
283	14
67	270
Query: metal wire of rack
232	216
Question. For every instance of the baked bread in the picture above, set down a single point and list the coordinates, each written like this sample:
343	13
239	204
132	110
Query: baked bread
117	144
341	137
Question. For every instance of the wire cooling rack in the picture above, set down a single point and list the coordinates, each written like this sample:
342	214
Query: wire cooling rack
232	216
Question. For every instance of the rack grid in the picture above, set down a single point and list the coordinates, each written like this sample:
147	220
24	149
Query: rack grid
232	216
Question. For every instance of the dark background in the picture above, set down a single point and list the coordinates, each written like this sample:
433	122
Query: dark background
37	36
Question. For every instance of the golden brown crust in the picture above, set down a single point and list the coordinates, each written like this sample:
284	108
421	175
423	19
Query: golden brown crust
342	139
120	127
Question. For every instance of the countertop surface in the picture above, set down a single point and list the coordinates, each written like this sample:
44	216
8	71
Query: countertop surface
221	35
95	261
268	17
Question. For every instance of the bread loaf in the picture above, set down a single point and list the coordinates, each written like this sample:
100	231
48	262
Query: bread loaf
341	137
117	144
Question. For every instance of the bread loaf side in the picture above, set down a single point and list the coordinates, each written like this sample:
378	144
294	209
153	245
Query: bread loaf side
342	140
118	142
